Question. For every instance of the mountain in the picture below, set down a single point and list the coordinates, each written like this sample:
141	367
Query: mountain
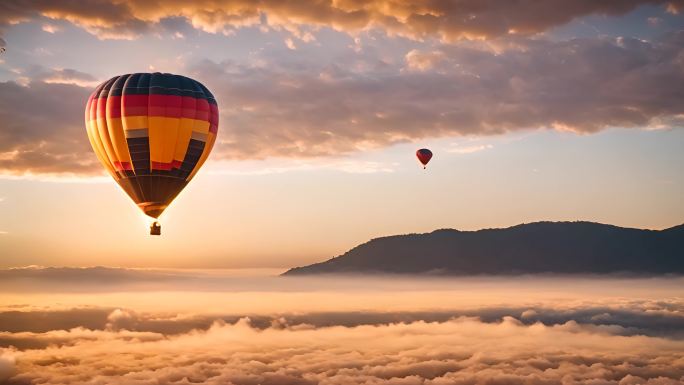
541	247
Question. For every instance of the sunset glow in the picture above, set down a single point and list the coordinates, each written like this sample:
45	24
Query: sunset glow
466	192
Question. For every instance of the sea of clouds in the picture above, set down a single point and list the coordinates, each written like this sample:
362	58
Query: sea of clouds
143	329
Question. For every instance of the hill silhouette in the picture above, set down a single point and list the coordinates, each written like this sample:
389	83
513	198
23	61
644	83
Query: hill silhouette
541	247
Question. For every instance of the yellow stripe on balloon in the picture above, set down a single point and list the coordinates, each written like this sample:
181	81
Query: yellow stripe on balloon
103	133
211	138
93	137
118	139
163	132
99	150
170	139
200	126
183	140
134	122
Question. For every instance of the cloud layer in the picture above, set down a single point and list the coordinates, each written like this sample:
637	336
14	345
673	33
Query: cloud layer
458	351
300	106
582	85
528	330
448	21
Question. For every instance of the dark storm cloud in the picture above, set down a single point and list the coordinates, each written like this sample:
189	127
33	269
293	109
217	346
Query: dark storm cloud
417	20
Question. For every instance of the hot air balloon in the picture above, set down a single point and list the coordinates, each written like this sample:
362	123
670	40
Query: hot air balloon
424	155
152	132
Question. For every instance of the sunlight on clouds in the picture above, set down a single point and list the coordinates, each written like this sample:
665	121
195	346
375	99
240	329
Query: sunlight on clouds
457	149
130	19
290	44
122	326
9	155
462	350
423	61
7	364
51	28
673	8
65	79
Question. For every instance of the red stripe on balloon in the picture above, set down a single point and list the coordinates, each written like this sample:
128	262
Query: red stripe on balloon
114	106
213	118
161	166
121	166
135	100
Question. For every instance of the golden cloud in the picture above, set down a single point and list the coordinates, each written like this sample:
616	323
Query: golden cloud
427	331
445	20
459	351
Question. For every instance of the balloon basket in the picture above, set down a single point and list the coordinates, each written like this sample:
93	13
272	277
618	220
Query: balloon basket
155	229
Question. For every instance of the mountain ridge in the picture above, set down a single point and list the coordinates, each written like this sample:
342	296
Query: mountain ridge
537	247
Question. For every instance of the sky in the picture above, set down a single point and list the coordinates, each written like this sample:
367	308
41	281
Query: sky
548	110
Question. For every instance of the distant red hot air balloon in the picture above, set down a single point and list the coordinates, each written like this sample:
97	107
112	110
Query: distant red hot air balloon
424	155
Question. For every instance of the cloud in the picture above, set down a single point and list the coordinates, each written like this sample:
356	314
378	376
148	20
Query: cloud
654	21
579	331
458	351
105	19
422	61
306	301
580	85
7	366
38	73
470	149
448	21
99	275
43	130
68	76
51	28
23	328
290	44
360	102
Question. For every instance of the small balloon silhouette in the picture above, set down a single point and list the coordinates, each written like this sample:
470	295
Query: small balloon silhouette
424	155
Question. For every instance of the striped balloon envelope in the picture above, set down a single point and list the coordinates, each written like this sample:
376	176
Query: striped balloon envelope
152	132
